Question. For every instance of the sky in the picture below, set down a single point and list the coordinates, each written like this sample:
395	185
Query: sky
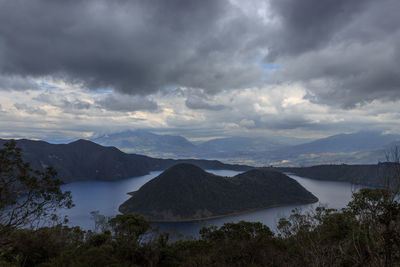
200	69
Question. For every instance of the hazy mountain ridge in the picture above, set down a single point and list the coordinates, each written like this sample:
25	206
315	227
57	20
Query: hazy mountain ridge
247	144
365	147
175	146
186	192
85	160
361	141
144	142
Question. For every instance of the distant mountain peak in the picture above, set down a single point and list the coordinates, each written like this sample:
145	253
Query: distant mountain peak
144	142
83	142
80	141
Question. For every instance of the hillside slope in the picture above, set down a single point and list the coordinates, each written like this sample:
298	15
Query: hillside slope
85	160
372	174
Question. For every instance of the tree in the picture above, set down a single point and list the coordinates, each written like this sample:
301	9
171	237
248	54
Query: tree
28	197
130	227
389	171
378	215
376	235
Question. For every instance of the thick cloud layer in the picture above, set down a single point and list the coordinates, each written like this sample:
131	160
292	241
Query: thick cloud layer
344	52
202	67
133	46
310	24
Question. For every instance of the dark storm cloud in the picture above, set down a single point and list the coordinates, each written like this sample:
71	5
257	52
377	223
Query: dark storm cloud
344	52
111	102
133	46
311	24
14	82
58	100
282	122
199	103
30	110
126	103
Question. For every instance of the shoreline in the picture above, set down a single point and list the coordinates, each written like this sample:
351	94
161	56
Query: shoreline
222	215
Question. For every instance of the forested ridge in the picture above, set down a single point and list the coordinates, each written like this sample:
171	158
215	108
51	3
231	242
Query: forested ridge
85	160
367	174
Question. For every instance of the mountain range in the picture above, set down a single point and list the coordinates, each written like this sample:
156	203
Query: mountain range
86	160
175	146
186	192
365	147
147	143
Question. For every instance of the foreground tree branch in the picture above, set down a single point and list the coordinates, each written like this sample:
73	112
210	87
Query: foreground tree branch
28	197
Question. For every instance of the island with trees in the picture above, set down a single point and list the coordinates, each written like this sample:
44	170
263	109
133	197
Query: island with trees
186	192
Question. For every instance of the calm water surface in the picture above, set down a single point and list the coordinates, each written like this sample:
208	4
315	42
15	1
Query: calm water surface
106	197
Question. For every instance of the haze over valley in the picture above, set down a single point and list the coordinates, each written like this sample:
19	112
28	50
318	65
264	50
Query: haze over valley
364	147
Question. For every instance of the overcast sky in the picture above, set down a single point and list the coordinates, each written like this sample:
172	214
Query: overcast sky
201	69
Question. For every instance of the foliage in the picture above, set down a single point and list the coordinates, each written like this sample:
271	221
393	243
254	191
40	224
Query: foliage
27	197
365	233
129	227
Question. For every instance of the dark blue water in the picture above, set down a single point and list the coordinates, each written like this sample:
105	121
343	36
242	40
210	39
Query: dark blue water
106	197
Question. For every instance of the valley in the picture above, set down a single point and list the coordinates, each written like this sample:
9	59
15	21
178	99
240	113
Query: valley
364	147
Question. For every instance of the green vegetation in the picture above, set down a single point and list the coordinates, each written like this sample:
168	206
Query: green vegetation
186	192
27	197
365	233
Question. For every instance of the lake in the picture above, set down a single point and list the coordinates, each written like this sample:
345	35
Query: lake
106	197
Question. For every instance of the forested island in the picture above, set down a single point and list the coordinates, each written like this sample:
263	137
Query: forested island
186	192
